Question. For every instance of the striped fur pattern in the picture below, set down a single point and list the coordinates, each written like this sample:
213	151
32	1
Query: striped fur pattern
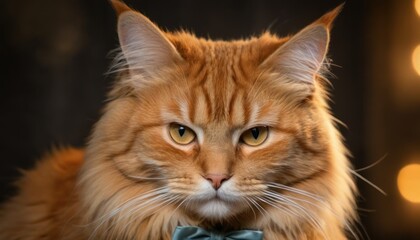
134	181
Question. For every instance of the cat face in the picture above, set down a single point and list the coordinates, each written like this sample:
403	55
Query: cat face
219	128
215	164
220	123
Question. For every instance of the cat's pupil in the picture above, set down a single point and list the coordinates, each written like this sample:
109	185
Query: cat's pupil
181	131
255	132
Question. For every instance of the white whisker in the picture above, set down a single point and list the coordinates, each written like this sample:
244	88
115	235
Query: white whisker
128	202
144	178
259	208
250	206
368	182
179	205
295	190
270	201
371	165
314	221
154	194
156	205
315	204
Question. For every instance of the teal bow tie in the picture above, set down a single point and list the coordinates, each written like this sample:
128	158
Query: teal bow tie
197	233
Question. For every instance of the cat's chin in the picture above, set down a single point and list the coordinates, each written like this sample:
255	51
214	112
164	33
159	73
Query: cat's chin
217	209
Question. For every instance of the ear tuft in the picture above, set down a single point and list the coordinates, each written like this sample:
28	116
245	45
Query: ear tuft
119	7
328	18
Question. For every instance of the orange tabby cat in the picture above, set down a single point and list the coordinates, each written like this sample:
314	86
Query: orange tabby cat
220	135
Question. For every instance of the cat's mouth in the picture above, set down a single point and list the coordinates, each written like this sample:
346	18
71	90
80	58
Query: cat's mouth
219	205
215	208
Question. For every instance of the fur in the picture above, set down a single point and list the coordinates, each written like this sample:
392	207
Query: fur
134	182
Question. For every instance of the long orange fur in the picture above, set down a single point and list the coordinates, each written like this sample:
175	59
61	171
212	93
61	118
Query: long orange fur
132	182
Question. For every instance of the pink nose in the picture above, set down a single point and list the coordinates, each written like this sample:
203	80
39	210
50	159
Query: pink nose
216	179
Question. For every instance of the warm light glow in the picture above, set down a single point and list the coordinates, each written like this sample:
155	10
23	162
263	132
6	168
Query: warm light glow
417	6
416	58
409	182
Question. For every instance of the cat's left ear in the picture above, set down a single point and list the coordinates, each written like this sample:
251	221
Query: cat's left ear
144	46
301	57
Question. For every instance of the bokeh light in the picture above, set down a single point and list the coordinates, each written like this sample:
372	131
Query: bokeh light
417	6
416	58
409	182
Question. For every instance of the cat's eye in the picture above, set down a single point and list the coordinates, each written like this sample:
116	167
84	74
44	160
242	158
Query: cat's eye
255	136
181	134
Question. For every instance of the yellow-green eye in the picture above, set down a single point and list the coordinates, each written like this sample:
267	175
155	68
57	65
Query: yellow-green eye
255	136
181	134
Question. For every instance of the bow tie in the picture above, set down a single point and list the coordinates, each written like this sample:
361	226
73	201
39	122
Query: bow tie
197	233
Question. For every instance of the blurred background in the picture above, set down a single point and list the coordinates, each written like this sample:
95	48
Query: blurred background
52	84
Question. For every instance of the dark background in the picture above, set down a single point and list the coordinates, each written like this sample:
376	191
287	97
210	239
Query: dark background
54	55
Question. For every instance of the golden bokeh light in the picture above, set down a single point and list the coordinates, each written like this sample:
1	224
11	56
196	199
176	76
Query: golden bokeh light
415	58
409	182
417	6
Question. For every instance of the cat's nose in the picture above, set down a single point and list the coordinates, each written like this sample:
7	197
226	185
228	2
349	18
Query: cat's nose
216	180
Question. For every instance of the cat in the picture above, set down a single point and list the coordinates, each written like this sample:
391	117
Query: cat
221	135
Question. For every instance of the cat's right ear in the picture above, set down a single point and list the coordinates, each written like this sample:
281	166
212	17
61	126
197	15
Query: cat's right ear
144	46
300	59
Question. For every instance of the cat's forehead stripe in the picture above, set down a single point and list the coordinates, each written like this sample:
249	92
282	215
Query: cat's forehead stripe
222	89
218	78
200	106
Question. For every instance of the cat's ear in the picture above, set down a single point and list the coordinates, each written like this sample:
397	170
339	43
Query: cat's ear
144	45
301	57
